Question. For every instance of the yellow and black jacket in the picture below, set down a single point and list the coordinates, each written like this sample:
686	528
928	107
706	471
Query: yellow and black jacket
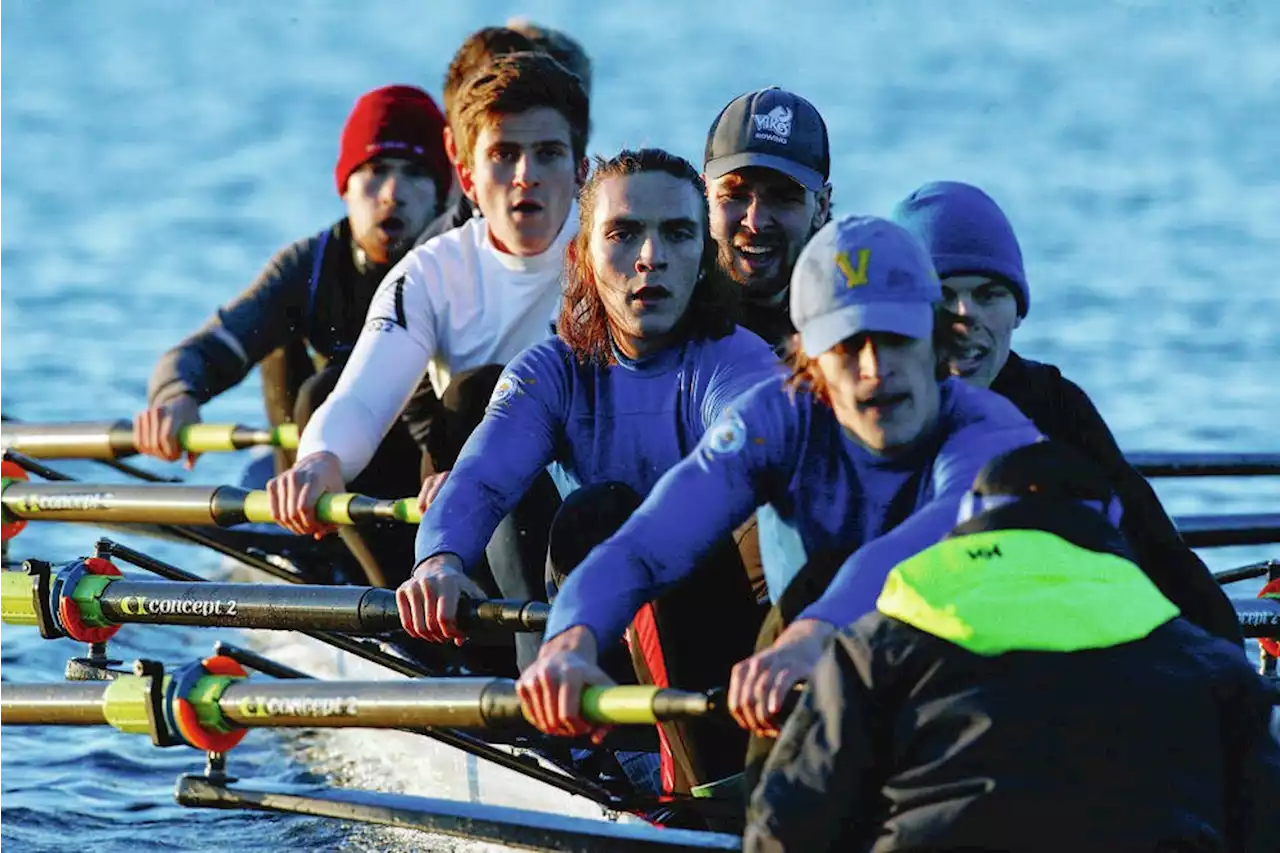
1024	686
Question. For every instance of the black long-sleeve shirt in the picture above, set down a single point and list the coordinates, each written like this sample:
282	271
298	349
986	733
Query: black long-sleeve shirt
282	308
1063	412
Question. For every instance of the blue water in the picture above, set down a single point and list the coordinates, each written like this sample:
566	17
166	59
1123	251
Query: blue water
157	154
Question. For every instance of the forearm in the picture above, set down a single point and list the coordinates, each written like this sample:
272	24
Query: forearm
201	367
857	586
379	378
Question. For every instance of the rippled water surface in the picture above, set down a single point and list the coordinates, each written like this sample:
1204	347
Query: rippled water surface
156	154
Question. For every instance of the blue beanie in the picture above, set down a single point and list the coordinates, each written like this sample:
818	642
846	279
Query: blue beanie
965	232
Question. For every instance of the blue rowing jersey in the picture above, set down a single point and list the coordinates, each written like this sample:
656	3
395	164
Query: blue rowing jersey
628	423
820	489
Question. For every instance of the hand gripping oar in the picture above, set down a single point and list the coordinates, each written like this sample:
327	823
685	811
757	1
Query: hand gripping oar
210	704
90	594
163	503
114	439
123	467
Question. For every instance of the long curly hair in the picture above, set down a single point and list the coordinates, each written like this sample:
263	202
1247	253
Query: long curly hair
583	323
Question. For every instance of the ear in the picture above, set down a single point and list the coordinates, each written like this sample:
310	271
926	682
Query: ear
466	182
1017	321
584	168
822	210
450	147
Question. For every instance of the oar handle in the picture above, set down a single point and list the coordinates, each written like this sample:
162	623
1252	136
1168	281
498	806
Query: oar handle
227	702
213	438
337	508
165	503
91	600
503	613
114	439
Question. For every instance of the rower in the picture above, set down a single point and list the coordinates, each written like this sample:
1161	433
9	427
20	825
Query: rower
392	174
1023	685
463	305
477	51
985	298
647	358
766	165
863	449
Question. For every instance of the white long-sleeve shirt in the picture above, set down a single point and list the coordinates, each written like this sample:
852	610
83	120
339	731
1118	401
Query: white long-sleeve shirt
452	304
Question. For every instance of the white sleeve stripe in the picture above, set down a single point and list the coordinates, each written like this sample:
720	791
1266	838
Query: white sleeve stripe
232	343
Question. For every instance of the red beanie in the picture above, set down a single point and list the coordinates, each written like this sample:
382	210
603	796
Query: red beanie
399	121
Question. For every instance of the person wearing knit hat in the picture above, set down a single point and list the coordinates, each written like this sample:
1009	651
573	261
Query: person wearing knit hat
392	170
985	296
978	258
392	175
460	307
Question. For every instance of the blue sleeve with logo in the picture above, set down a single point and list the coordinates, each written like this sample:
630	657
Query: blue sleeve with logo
736	364
748	453
857	585
514	442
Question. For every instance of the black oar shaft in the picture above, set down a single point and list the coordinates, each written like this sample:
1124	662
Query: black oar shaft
468	703
350	609
1213	531
123	504
411	703
1206	464
1259	617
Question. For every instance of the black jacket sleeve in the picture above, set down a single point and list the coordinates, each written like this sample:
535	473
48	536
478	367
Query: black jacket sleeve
1063	412
266	316
1252	774
814	792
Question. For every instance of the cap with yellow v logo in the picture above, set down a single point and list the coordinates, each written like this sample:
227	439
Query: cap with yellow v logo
862	274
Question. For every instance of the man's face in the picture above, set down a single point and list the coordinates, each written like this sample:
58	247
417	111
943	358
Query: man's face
975	327
761	219
523	178
389	201
883	388
646	249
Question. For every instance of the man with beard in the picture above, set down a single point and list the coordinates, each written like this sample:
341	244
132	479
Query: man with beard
393	175
985	297
766	167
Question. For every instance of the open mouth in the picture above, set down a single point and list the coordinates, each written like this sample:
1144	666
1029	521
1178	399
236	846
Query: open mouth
883	404
965	358
759	254
526	207
392	226
649	295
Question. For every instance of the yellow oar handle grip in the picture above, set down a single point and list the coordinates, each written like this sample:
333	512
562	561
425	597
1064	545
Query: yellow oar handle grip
635	704
17	599
341	508
213	438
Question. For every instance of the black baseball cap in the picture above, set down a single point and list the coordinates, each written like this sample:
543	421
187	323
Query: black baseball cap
772	128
